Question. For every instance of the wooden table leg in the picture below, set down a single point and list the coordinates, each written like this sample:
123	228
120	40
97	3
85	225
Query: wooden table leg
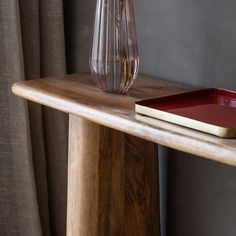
112	182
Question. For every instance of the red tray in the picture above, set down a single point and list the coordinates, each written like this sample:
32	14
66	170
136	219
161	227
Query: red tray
208	110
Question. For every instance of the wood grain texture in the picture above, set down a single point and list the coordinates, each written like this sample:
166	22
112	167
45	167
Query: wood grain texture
112	182
141	192
76	94
82	194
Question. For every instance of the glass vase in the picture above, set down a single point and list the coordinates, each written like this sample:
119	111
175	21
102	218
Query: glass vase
114	59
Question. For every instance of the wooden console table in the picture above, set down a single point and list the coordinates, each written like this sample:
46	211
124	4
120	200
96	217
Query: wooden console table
113	166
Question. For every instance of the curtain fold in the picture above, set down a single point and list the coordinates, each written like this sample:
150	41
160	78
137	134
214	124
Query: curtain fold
33	139
55	123
30	30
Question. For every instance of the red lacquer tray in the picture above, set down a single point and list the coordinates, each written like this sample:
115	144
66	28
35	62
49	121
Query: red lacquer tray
208	110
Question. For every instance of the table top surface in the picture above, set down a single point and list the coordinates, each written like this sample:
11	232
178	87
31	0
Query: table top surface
76	94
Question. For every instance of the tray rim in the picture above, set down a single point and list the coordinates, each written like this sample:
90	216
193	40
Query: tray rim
183	121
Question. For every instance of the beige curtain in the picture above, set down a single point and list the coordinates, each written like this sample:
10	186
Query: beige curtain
33	139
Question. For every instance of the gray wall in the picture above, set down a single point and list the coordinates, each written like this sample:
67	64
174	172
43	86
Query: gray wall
189	41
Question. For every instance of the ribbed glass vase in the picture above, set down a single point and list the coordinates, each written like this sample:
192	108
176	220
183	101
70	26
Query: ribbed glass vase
114	59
